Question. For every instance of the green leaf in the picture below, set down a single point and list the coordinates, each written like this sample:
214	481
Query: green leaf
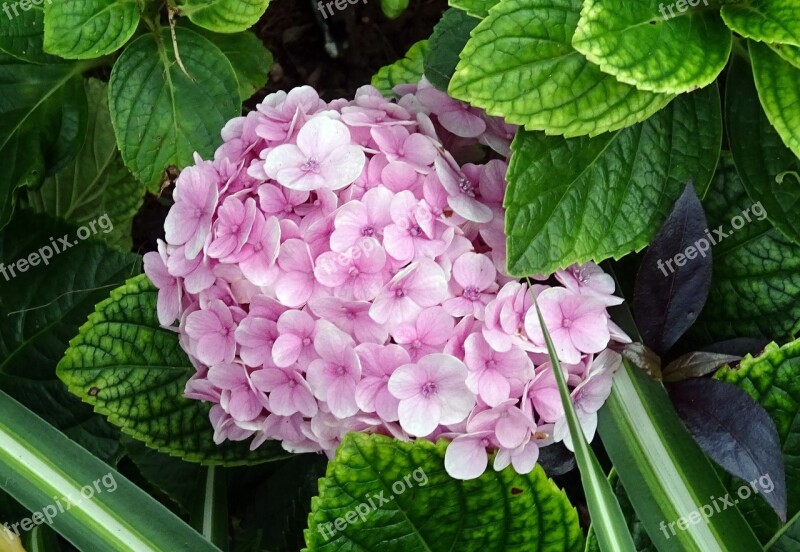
449	36
393	8
39	463
23	35
97	183
43	117
778	84
663	471
572	200
42	308
640	45
88	28
773	380
403	71
161	115
765	20
249	57
500	511
476	8
520	64
756	286
134	372
210	515
223	16
787	539
609	524
789	53
759	153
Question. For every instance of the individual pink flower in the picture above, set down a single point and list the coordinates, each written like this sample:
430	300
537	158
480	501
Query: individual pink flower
577	323
462	191
474	276
189	220
288	392
466	456
322	158
232	227
281	202
197	273
378	363
399	145
297	283
296	331
495	376
453	115
413	234
358	275
238	397
169	290
417	286
523	458
427	334
333	377
256	336
352	317
280	113
258	255
431	392
212	329
366	218
589	279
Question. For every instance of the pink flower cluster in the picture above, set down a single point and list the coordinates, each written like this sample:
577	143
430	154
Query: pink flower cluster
336	269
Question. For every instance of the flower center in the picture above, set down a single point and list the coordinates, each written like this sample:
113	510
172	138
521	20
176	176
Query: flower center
566	323
312	165
415	230
368	231
399	293
429	389
466	187
491	364
472	293
306	341
353	272
341	370
288	208
416	344
292	384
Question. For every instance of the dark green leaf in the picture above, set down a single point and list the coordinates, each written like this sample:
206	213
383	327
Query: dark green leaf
448	39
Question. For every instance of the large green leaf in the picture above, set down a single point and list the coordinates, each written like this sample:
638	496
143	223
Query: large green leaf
789	53
42	308
162	115
449	37
42	469
571	200
664	472
223	16
759	153
773	380
97	183
640	44
23	35
756	286
476	8
88	28
520	64
428	510
778	84
43	117
134	372
406	70
765	20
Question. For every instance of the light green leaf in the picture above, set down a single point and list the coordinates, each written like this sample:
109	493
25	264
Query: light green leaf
88	28
161	115
23	35
43	117
765	20
393	8
134	372
756	286
449	36
778	84
572	200
498	512
476	8
759	153
640	45
773	380
97	183
223	16
403	71
789	53
249	57
520	64
39	463
42	308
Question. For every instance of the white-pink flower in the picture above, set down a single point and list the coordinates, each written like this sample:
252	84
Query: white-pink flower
213	329
493	375
333	377
196	195
474	276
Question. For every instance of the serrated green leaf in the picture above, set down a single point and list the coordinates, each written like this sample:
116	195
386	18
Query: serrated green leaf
789	53
778	84
520	64
572	200
773	380
476	8
134	372
756	286
23	35
765	20
393	8
638	44
403	71
435	512
42	308
161	115
223	16
89	28
43	117
759	153
97	183
449	36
